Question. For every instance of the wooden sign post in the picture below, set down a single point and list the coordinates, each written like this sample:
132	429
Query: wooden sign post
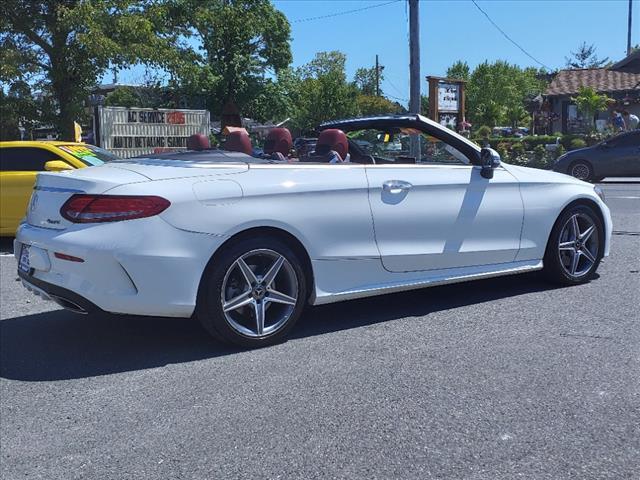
447	102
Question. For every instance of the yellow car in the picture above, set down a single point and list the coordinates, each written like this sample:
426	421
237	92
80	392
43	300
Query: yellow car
21	161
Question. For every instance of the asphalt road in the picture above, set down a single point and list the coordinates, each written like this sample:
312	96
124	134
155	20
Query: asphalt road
503	378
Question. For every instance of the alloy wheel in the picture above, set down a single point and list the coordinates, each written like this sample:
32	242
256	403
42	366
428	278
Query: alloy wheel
259	293
578	245
581	171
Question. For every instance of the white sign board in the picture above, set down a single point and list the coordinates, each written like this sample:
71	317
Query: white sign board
448	97
128	132
449	120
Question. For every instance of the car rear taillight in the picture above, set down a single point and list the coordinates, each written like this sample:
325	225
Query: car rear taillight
81	208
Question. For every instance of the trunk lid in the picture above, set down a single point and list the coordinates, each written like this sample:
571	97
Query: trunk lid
53	189
164	169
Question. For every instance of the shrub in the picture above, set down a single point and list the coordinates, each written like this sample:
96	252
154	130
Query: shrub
517	149
560	151
484	131
532	142
520	160
577	143
596	137
539	152
503	149
566	140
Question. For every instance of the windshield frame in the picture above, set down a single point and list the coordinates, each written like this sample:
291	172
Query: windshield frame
99	156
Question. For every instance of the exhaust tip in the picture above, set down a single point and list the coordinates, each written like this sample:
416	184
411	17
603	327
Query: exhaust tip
68	304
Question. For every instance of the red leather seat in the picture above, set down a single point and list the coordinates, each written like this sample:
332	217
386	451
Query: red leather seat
333	139
198	142
238	141
278	140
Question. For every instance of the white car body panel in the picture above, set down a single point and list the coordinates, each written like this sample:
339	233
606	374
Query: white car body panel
545	194
458	218
456	226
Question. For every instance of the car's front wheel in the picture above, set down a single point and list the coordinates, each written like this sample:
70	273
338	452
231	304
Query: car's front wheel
581	170
575	247
253	292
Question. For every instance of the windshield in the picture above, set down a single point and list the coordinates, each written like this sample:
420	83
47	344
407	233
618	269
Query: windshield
393	147
90	155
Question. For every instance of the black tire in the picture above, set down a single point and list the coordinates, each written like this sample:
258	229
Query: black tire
209	310
582	170
553	263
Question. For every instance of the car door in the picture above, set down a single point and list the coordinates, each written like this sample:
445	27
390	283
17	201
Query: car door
437	215
18	169
626	154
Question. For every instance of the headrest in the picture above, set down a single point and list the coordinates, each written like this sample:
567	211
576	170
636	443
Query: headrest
278	140
198	141
238	141
333	139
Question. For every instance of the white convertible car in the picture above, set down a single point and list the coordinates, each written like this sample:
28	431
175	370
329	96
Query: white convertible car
245	243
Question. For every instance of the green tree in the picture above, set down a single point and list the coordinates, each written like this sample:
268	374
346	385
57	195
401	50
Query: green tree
69	44
424	105
516	114
323	92
585	57
459	71
374	105
488	113
243	42
496	91
124	97
365	80
590	102
276	101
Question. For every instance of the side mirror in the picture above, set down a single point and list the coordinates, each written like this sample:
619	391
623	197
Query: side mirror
489	159
57	166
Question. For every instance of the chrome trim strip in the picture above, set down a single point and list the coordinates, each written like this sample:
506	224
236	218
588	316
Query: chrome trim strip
394	288
57	189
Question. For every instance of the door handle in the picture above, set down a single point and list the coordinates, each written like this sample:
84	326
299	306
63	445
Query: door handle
396	186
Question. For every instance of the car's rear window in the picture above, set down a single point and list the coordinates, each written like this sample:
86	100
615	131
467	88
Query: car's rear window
90	155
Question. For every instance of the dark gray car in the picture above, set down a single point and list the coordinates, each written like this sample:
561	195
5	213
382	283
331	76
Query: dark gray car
618	156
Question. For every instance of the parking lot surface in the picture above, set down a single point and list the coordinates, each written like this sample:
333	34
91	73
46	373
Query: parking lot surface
502	378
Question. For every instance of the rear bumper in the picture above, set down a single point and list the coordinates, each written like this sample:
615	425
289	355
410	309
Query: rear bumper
137	267
63	297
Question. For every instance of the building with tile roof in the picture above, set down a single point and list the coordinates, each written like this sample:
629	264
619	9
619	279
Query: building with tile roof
620	81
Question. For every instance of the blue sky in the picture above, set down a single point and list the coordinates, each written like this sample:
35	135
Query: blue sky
452	30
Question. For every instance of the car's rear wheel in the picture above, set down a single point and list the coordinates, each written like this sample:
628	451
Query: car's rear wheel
581	170
253	292
575	247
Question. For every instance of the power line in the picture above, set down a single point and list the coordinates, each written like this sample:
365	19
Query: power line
386	80
346	12
396	98
508	37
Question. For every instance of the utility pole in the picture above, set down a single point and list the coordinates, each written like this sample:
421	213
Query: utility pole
377	77
629	30
414	71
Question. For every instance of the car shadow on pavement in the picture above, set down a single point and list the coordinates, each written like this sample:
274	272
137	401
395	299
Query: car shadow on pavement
61	345
6	245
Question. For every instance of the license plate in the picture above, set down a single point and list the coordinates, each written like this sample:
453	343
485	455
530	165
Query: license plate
23	263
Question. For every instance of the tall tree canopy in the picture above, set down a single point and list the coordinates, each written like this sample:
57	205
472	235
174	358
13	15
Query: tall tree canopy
365	80
585	57
62	47
496	92
244	44
459	71
323	92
